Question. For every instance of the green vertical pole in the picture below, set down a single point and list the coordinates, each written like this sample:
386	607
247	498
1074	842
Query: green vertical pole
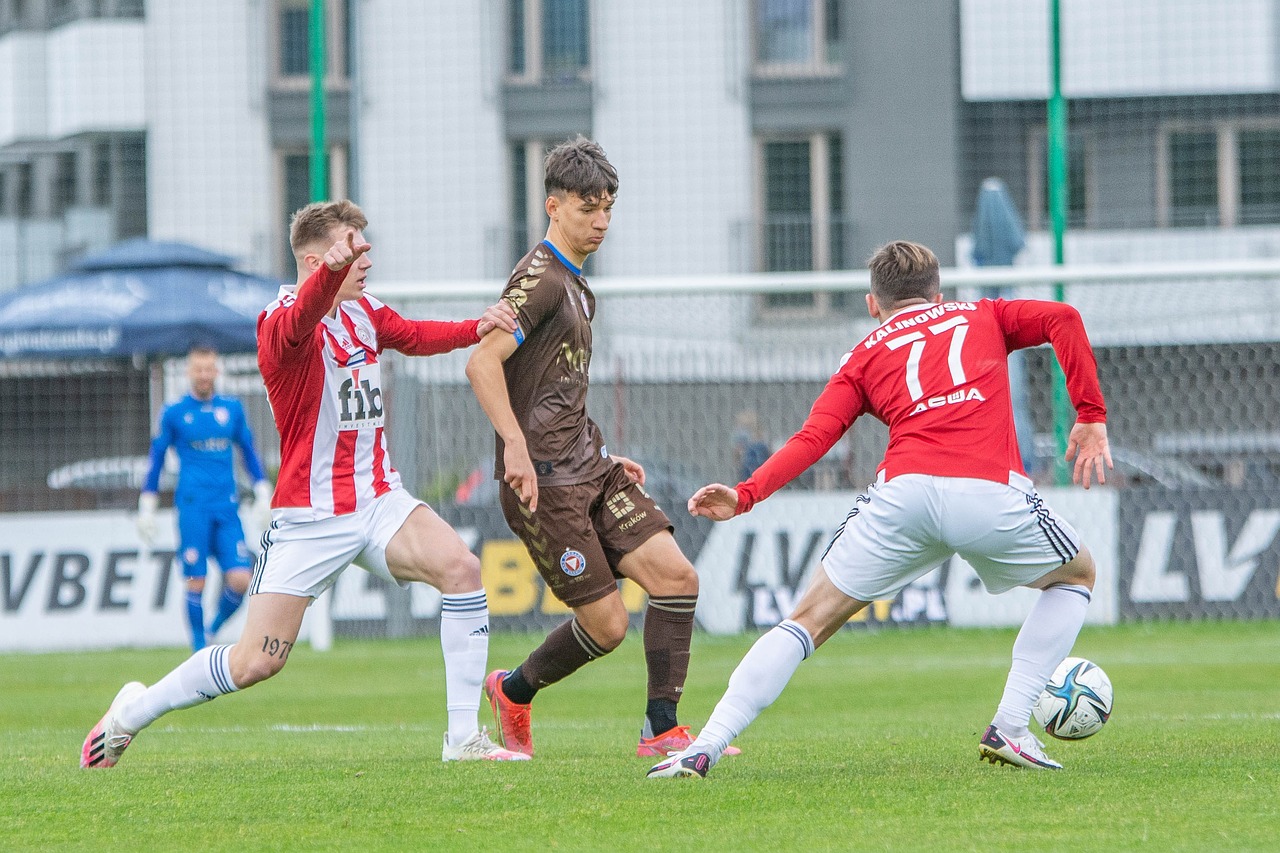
318	163
1063	414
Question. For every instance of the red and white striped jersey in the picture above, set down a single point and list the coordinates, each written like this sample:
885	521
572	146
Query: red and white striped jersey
938	377
324	382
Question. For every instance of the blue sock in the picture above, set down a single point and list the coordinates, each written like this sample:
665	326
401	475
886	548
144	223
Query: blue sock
195	615
228	603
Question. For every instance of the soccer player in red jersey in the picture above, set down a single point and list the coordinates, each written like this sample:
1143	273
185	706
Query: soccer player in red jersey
951	482
337	498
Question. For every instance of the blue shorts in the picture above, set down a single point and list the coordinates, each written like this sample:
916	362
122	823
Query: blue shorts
211	531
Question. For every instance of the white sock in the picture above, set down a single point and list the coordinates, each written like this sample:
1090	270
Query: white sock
204	676
1045	639
754	685
464	639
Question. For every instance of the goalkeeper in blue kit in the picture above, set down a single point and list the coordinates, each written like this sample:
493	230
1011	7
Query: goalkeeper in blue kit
203	427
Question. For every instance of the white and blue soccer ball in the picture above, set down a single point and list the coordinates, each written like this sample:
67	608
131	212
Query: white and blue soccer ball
1076	702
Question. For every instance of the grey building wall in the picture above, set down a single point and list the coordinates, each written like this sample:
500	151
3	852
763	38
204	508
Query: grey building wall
903	72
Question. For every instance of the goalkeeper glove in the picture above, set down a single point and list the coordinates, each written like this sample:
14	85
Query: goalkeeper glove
147	527
261	511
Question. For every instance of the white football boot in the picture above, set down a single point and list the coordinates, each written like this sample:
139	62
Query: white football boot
479	748
107	741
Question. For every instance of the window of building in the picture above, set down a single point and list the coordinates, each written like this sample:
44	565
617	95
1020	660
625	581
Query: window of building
295	190
64	182
61	11
24	193
130	165
1225	175
293	41
548	41
1259	153
801	225
1080	180
1193	178
796	37
102	174
527	218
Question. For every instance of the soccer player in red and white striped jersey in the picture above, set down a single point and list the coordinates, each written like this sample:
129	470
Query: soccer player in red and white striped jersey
951	482
338	499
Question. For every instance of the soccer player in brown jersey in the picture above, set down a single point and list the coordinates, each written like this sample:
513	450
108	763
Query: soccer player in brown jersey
582	512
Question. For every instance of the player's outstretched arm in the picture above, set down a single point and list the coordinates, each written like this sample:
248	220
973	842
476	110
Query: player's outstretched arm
717	502
1088	445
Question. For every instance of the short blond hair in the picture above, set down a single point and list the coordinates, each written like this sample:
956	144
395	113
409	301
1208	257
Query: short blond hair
312	225
902	270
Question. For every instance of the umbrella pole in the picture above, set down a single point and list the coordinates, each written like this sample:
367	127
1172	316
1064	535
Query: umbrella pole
155	391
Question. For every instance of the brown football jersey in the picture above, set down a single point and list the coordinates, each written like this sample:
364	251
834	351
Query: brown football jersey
547	374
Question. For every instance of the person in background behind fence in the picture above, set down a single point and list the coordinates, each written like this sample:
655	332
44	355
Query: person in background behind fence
202	428
951	482
337	499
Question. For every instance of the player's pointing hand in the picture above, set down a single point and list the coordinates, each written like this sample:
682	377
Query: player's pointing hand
344	252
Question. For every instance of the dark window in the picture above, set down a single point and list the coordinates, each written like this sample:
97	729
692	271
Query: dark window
1193	178
296	194
297	182
131	206
519	201
102	174
64	182
61	11
295	52
23	195
1259	176
784	32
788	225
1077	182
515	37
832	30
564	39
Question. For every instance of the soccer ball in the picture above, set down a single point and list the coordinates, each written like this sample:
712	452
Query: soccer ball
1076	702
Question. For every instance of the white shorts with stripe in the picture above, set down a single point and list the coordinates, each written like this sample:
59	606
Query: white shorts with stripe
304	558
900	530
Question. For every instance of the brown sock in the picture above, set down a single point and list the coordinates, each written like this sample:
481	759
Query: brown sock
668	630
565	650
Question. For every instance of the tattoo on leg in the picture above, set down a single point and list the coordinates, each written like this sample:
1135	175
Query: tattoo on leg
276	648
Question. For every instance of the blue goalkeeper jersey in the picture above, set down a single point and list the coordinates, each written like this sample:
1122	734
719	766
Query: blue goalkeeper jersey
203	433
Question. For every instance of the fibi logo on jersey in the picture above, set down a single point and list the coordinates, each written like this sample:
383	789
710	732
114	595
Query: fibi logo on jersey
572	563
360	400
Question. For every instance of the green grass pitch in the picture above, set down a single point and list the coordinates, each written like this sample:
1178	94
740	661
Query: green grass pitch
872	747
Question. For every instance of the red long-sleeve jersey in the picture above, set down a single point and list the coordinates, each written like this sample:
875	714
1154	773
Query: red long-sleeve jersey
938	377
323	380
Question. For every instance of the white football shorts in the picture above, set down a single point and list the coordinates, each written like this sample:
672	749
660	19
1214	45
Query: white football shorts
900	530
305	558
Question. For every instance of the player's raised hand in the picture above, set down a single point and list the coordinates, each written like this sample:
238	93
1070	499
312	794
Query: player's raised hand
633	469
1087	444
716	502
344	252
499	315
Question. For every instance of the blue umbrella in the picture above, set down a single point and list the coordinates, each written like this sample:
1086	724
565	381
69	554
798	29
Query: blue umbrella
997	229
138	297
